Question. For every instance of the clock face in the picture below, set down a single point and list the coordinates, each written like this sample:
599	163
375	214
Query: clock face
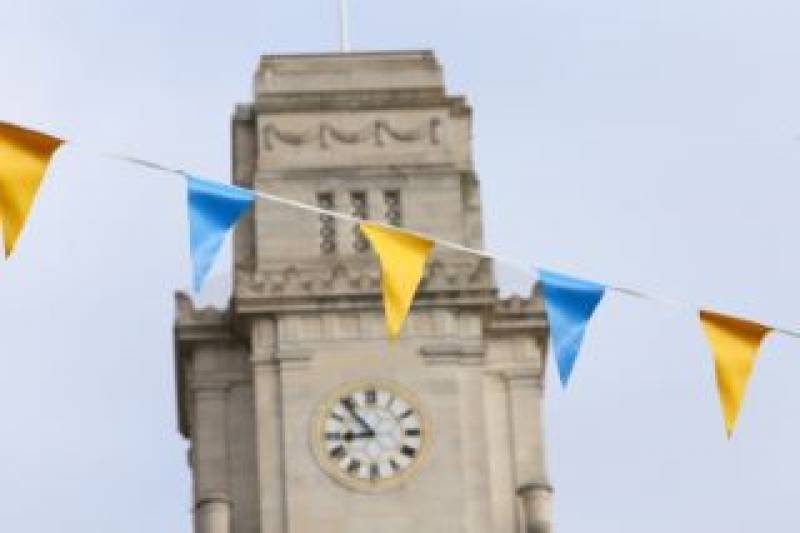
371	435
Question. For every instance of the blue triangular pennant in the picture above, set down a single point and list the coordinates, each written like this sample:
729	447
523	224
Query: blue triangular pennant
570	303
214	209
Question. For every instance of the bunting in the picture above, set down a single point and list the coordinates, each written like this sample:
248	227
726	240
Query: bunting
734	343
24	157
213	210
570	303
402	257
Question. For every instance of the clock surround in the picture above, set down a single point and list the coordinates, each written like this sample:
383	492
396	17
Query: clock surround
371	435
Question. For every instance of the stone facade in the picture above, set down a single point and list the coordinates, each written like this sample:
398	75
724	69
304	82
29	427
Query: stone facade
377	136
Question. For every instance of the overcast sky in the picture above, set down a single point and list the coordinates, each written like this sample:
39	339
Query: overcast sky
654	144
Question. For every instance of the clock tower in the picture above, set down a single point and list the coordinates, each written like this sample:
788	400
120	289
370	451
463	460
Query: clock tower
301	415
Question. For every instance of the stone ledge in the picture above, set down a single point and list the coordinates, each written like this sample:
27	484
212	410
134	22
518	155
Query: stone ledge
357	277
456	106
294	354
447	353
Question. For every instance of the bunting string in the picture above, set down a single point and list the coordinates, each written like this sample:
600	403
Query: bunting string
215	207
516	265
348	218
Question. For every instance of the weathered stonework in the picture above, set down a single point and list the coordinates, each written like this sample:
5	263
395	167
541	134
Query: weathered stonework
377	136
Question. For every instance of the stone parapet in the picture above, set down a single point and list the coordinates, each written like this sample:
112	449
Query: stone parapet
517	314
324	73
339	277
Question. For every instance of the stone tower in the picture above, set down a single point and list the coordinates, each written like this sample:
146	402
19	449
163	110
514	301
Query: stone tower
302	416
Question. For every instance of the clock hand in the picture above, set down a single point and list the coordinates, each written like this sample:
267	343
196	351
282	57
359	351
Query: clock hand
350	436
348	404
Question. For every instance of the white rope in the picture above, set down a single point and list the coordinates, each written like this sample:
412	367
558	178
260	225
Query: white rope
527	270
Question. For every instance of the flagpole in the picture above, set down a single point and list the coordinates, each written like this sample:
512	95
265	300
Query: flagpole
344	30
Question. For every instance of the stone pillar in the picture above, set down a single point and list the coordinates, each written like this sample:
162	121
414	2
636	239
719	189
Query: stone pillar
533	489
536	499
244	144
269	426
213	514
210	459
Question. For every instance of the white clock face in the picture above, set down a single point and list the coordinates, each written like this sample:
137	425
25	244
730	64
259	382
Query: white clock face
370	436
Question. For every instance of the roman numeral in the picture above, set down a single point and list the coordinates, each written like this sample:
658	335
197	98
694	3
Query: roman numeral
335	435
413	432
337	417
406	413
348	403
338	452
394	465
371	396
374	472
408	451
353	467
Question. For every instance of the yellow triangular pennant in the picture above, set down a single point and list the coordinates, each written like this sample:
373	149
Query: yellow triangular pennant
734	343
24	156
402	256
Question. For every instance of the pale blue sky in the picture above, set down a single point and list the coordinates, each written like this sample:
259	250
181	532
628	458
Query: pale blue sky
655	144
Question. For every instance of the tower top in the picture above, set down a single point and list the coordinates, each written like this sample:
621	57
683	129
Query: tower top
375	134
336	72
265	386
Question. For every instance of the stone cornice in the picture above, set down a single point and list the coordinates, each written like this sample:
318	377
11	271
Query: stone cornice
200	324
348	101
254	305
426	170
353	278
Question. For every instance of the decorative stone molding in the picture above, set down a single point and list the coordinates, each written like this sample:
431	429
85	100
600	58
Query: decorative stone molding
206	324
434	98
187	312
518	315
377	132
356	278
